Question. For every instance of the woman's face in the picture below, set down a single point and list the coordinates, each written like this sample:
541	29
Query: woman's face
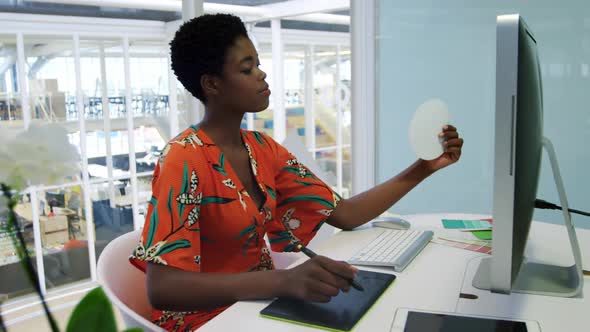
242	85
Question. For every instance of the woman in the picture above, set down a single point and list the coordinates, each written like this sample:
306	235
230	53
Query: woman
217	191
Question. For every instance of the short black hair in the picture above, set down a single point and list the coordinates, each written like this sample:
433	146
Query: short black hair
199	47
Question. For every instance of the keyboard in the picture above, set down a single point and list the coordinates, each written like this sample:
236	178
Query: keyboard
393	248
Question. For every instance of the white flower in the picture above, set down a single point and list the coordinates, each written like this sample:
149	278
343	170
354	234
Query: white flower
39	155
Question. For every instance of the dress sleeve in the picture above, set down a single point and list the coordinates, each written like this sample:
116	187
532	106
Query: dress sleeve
171	234
304	202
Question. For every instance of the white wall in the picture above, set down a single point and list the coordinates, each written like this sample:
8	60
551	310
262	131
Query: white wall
446	50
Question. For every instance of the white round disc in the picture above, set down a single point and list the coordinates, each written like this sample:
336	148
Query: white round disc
427	123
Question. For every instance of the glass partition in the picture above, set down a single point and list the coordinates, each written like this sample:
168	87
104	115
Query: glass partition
447	50
10	99
64	242
50	76
14	278
263	121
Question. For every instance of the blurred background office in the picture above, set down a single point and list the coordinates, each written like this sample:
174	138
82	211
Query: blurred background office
101	70
343	73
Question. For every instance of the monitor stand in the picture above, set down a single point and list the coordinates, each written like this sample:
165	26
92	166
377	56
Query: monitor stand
544	279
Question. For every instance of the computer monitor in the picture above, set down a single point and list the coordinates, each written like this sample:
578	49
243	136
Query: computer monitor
55	199
519	143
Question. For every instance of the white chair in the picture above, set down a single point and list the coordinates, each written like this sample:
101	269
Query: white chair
124	284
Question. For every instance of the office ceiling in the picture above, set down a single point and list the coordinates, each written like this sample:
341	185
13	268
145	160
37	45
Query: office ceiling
48	8
43	8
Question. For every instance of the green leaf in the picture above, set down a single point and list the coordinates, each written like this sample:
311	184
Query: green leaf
312	198
295	170
245	231
291	170
206	239
290	248
245	246
271	193
273	240
216	200
258	138
183	189
178	244
307	184
93	313
153	227
170	200
134	329
219	169
184	178
194	127
222	160
153	201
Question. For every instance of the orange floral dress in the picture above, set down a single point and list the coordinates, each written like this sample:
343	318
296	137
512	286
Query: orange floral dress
201	218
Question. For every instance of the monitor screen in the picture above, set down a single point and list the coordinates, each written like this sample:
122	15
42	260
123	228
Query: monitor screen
528	145
55	199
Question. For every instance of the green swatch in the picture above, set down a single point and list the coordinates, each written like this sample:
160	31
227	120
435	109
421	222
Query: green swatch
465	224
483	235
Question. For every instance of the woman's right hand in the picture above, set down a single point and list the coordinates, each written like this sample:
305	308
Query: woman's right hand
318	279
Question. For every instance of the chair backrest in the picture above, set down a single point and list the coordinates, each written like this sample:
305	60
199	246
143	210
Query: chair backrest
124	284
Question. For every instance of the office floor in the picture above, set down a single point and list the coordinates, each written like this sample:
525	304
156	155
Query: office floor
18	316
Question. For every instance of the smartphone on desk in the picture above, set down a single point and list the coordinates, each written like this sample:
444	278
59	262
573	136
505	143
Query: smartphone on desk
413	320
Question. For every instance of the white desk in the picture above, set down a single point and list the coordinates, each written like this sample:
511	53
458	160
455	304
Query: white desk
434	281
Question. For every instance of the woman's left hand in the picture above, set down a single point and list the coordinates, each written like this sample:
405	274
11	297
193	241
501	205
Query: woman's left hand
452	145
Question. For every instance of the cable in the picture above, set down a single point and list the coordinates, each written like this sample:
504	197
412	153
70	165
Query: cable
541	204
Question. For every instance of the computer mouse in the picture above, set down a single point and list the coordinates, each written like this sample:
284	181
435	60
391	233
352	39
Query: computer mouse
391	223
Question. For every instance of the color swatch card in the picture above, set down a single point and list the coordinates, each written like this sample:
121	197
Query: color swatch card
466	224
483	247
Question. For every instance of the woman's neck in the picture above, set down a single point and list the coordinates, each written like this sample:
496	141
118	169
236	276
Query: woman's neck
222	126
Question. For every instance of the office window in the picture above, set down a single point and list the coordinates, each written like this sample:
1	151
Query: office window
64	242
263	121
10	103
50	74
331	85
14	278
111	211
329	93
149	77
